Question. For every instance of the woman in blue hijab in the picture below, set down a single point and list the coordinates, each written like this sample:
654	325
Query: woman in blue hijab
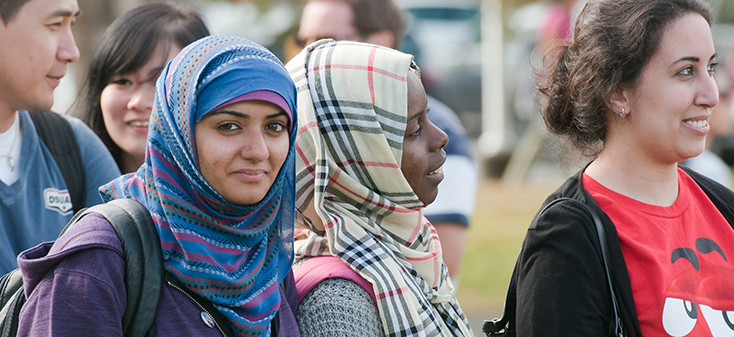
218	181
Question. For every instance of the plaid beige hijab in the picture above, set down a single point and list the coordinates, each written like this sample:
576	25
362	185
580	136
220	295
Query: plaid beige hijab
353	106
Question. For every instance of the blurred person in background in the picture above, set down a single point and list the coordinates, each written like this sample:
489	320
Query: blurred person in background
634	88
381	22
118	93
35	203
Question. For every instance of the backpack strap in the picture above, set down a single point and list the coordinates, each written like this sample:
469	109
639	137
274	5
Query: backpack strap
57	134
12	299
143	269
505	326
143	260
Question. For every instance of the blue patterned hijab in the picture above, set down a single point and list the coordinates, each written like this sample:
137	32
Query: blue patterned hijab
234	256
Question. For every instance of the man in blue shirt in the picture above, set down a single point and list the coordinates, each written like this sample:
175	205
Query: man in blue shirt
380	22
37	45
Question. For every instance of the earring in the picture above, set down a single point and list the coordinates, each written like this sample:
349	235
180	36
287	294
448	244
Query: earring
248	149
621	114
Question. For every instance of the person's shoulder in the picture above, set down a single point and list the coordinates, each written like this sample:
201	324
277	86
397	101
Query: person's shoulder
80	129
84	136
88	236
564	213
91	230
336	306
337	294
98	162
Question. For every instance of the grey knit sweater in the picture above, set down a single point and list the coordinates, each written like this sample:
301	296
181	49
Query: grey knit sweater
338	307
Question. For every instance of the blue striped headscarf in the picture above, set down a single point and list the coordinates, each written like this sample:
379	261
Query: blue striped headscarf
234	256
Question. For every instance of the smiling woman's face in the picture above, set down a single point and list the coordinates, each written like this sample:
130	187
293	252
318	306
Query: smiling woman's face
423	154
672	103
126	103
241	148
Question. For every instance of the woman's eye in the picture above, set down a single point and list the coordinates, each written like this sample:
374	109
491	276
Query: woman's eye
417	132
712	68
228	127
121	81
687	71
277	127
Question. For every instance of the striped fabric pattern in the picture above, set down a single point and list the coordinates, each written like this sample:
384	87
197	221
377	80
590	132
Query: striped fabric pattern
234	256
352	101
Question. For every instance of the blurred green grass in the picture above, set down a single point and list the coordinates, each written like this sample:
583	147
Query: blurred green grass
501	218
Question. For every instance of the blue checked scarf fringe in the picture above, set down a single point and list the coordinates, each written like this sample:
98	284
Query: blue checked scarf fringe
234	256
352	100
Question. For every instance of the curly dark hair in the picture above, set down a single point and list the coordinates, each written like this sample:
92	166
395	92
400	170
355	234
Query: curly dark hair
613	41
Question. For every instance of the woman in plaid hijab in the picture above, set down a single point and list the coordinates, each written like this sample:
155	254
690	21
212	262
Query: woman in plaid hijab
368	161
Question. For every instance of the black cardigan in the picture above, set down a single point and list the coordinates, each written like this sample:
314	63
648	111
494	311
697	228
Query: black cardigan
561	287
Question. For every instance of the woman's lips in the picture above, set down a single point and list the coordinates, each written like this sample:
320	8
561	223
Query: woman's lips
698	124
436	171
139	126
436	175
55	80
251	175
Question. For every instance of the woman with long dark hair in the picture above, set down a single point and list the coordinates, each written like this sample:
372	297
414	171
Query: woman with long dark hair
118	92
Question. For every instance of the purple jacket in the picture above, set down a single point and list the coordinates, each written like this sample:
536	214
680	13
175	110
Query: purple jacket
75	287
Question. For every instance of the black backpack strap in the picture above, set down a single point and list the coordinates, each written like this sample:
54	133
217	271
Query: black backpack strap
143	260
143	269
12	299
616	327
59	138
275	325
505	326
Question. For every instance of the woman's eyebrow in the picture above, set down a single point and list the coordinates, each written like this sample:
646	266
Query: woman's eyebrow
415	116
281	113
230	112
694	58
246	116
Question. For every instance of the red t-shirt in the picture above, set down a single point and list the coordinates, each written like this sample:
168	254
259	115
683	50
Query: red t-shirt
680	260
